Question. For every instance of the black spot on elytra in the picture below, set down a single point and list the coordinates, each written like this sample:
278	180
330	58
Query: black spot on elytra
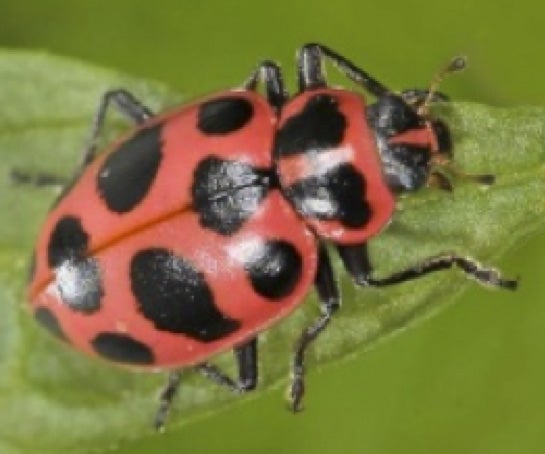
175	297
127	174
275	269
121	348
79	284
226	193
77	276
319	126
224	115
68	241
335	195
47	319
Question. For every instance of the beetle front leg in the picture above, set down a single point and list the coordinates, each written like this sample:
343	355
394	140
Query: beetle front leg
310	71
356	261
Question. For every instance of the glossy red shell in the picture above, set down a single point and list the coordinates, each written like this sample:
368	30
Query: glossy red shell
165	219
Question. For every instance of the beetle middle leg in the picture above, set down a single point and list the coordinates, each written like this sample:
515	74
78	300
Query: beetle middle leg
328	293
246	358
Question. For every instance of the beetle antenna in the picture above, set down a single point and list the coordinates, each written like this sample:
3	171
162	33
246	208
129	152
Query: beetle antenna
442	164
456	64
486	179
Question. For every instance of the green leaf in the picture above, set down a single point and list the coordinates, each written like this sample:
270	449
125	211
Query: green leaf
54	399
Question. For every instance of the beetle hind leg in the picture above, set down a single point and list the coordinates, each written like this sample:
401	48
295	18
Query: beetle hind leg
38	179
127	105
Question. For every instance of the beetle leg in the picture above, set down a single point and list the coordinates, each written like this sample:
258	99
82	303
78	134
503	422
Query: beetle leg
165	400
311	74
328	293
356	262
246	358
126	104
39	179
269	73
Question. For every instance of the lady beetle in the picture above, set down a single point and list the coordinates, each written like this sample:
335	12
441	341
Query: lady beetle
207	224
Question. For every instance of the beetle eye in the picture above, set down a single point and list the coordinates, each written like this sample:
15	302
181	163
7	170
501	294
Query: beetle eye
444	139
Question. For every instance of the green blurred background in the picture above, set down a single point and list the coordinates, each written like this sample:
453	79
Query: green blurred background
470	380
